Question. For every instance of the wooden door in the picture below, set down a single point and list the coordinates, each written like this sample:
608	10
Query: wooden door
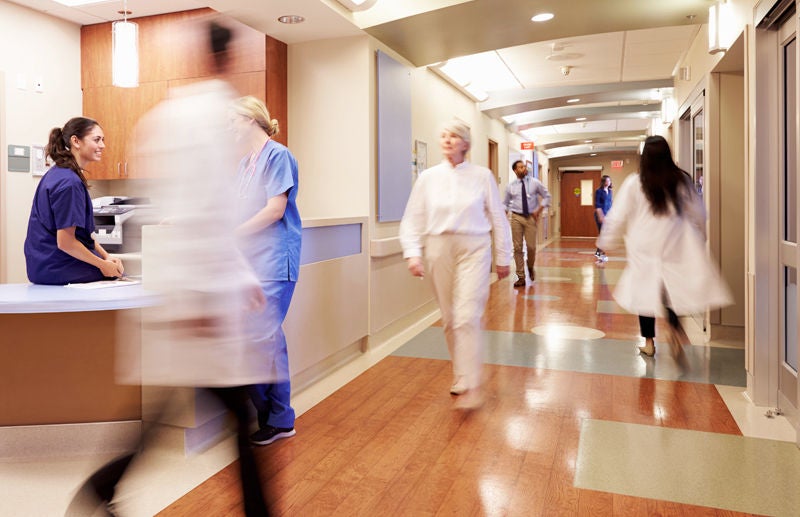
577	203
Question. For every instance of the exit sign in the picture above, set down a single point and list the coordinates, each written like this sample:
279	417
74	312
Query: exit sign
616	164
527	146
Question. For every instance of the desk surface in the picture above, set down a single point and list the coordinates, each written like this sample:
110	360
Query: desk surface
34	299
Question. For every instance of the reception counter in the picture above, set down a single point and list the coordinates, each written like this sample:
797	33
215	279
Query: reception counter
57	348
58	344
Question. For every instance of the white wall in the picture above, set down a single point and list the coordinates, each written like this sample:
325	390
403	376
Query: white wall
332	112
35	46
329	125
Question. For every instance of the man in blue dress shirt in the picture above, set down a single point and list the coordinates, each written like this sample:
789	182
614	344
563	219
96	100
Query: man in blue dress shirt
526	197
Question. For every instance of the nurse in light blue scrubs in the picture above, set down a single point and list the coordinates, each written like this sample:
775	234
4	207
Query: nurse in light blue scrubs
269	236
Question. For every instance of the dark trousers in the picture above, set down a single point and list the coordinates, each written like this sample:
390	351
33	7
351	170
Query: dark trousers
647	324
235	399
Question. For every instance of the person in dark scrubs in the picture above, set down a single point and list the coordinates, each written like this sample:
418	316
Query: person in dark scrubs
59	248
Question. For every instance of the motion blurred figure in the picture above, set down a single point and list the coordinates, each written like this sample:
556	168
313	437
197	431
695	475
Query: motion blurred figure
204	333
662	221
452	215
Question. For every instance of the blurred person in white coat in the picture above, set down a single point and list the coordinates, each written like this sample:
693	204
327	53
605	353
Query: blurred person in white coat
661	219
203	334
452	215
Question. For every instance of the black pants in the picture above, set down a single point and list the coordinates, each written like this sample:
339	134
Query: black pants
647	324
235	399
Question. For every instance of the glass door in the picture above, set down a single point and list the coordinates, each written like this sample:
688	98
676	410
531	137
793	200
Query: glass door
787	371
698	148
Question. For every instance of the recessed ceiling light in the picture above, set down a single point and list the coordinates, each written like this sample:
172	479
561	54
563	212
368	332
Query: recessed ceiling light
587	141
593	154
580	119
571	101
542	17
291	18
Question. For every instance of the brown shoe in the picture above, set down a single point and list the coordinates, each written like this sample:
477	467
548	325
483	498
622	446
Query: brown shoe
520	282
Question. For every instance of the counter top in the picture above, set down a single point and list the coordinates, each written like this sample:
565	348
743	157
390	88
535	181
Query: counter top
32	299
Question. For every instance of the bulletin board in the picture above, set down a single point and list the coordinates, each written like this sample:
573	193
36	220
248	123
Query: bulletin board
395	167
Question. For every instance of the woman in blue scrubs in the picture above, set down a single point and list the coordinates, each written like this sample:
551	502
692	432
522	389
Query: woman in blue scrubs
59	248
269	236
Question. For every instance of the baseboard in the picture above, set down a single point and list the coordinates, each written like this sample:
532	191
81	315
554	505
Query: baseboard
377	346
32	441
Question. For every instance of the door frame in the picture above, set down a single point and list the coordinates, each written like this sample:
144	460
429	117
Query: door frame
764	232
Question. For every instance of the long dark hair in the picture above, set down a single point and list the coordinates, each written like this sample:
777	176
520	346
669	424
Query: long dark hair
661	178
58	146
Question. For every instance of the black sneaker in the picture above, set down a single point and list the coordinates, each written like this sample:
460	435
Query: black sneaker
267	435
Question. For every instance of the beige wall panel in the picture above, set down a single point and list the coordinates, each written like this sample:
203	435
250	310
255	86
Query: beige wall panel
394	292
329	310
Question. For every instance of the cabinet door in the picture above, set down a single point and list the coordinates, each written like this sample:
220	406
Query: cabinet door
102	104
96	55
137	102
117	110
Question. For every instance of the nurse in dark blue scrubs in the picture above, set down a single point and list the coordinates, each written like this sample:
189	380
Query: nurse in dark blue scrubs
59	248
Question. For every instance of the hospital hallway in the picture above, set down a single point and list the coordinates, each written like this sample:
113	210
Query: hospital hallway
576	422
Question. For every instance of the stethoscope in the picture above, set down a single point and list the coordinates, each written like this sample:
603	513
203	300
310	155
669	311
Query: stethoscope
249	172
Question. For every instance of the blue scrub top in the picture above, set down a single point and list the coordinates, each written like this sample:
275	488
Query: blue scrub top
274	252
61	201
602	200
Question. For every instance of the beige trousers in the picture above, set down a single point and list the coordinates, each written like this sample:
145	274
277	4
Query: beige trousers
459	267
523	227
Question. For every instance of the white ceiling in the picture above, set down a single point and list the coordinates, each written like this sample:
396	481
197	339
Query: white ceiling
622	54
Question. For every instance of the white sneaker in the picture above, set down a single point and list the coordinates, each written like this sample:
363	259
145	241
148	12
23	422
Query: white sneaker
474	399
604	258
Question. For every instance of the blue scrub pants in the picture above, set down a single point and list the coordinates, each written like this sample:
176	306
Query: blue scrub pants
273	401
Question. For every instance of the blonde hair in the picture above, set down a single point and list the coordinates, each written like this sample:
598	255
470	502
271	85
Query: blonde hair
253	108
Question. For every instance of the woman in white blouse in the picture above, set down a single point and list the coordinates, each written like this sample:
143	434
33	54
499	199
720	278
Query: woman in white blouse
452	215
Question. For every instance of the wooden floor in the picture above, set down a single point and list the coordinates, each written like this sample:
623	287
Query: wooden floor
390	443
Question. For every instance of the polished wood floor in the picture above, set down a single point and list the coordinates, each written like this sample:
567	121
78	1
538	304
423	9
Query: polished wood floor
390	443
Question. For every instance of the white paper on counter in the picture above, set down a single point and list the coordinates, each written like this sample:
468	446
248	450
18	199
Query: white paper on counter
102	284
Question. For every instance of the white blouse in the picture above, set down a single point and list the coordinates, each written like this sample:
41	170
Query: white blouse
455	200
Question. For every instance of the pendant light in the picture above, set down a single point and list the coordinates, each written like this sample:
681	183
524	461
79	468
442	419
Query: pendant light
125	51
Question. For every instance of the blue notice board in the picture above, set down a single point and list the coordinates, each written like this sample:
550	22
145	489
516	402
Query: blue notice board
394	137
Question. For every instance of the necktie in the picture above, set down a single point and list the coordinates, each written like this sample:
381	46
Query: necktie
524	200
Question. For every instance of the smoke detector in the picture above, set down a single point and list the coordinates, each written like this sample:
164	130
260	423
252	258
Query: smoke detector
565	70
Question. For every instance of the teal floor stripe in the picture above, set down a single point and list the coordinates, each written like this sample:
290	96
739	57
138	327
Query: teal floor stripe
605	356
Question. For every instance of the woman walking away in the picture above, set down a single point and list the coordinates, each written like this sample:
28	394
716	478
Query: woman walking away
662	221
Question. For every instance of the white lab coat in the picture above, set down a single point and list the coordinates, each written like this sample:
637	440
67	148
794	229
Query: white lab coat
665	253
203	334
